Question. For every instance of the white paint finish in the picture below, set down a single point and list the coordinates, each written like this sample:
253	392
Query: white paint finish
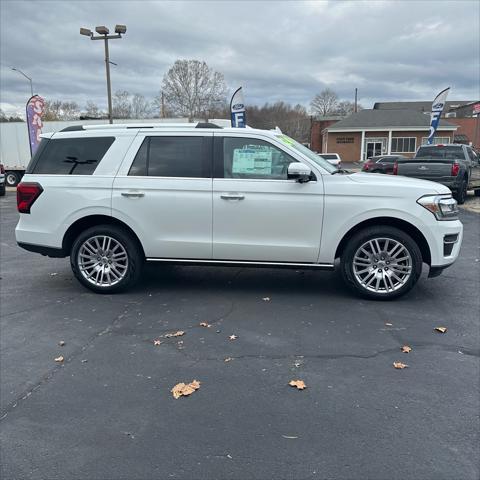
185	218
172	219
389	147
64	200
277	221
350	200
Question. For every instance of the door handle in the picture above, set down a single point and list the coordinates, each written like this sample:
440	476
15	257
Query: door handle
232	196
133	194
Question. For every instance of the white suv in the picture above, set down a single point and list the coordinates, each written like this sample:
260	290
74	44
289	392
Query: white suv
114	196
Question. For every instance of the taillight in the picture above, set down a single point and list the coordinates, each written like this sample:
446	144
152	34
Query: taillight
455	168
366	166
395	168
27	193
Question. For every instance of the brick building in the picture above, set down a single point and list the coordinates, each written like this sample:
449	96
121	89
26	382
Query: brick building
460	112
381	131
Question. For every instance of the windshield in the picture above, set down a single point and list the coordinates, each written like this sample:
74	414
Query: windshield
290	142
434	152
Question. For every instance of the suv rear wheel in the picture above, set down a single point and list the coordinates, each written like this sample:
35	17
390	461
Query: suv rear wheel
106	259
381	263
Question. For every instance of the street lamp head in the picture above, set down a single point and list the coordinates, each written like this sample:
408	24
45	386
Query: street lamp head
120	28
86	31
102	30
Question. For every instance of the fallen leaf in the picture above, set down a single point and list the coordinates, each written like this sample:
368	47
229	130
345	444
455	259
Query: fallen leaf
183	390
399	365
61	343
157	342
406	349
228	359
300	384
266	299
441	329
178	333
59	359
232	337
389	324
205	324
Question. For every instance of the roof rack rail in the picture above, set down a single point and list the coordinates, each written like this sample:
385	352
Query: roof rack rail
207	125
72	128
107	126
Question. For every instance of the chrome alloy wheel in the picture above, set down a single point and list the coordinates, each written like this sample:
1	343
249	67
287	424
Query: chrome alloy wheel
102	260
382	265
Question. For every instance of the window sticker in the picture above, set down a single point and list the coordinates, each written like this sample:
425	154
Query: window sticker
252	161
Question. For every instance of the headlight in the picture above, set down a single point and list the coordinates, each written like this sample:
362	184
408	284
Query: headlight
444	207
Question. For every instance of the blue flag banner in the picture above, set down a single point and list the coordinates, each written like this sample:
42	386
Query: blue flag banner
437	109
237	109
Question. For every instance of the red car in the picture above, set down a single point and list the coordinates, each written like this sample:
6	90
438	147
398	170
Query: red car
381	164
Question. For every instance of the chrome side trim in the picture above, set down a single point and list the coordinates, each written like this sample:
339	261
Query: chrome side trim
241	263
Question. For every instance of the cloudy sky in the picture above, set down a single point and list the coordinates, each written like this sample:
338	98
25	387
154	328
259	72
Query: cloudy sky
278	50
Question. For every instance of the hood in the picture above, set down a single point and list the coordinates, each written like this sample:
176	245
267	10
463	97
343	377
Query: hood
395	181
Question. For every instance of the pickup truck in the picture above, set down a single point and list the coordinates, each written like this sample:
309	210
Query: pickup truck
453	165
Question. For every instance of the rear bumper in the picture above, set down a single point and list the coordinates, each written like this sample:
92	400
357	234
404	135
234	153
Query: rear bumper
46	251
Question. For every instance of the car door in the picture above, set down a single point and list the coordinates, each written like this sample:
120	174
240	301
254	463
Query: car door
258	213
163	191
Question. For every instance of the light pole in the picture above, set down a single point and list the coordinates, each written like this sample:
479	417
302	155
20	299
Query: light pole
26	76
103	34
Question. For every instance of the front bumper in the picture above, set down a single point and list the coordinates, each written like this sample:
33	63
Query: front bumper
445	242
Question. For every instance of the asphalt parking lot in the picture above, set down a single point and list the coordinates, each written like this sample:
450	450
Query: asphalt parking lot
107	412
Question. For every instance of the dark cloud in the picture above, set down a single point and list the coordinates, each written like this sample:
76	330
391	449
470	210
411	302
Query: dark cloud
277	50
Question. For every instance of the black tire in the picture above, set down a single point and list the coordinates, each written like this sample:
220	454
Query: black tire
381	233
12	179
477	193
130	267
461	194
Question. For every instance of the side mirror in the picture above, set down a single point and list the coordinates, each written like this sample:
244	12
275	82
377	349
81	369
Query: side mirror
299	172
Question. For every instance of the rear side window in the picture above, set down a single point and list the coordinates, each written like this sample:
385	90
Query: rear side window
436	152
173	157
329	157
70	156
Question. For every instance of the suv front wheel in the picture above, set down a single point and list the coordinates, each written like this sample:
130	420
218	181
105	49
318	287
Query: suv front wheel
106	259
381	263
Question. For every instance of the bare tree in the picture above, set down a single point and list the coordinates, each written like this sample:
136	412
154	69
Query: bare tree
324	102
58	110
12	118
293	121
52	110
92	110
346	107
140	108
192	89
70	111
122	107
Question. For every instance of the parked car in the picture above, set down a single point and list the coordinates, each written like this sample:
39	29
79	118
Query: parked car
381	164
2	180
332	158
204	195
453	165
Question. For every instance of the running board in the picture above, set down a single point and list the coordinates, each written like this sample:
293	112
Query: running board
242	263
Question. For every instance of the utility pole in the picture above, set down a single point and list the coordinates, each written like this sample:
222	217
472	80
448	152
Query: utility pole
356	91
103	34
